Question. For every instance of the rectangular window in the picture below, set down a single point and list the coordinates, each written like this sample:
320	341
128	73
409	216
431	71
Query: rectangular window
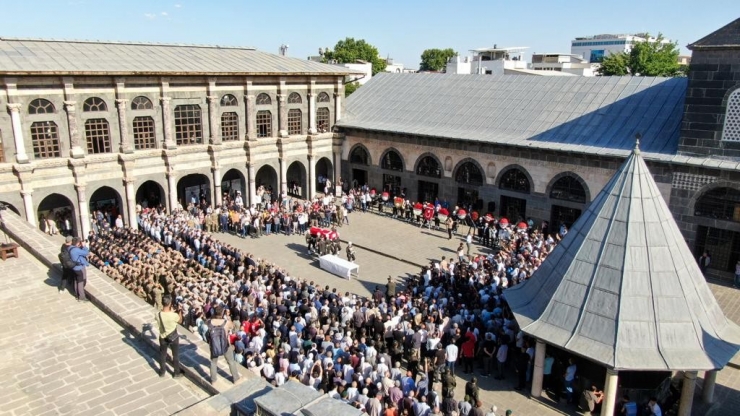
188	125
322	120
45	139
98	136
264	124
229	127
294	121
144	137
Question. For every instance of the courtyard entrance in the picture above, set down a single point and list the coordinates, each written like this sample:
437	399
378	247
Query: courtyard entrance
359	177
428	191
515	209
723	245
563	215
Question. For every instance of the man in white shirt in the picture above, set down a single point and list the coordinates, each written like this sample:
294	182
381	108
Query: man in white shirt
451	353
655	407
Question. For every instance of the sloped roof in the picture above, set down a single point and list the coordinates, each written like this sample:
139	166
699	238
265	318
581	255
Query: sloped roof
727	36
624	290
43	56
579	114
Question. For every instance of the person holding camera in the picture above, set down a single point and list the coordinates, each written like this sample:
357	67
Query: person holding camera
78	253
167	321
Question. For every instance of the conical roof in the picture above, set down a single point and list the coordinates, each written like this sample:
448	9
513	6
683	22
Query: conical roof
624	290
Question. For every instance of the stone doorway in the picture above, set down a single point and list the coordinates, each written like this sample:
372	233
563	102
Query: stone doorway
428	191
515	209
563	215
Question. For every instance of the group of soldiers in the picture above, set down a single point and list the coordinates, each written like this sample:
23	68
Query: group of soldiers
321	245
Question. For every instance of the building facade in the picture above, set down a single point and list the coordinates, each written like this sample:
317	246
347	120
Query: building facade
595	48
108	126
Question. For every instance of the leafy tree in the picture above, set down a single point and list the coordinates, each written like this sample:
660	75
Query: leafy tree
435	59
349	50
647	59
350	88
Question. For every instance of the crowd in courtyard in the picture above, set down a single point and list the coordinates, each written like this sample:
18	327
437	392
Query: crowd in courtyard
395	352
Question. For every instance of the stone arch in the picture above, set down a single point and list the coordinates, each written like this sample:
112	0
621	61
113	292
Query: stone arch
388	164
707	191
266	177
358	148
108	201
150	194
422	166
234	181
57	208
297	179
462	163
194	186
561	175
10	207
511	167
324	170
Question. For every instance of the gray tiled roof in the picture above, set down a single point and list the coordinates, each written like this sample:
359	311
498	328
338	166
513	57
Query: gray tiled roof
34	56
580	114
727	36
623	288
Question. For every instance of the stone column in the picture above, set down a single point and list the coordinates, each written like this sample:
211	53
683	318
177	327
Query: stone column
610	392
169	140
687	393
539	368
283	175
252	183
172	190
707	391
311	177
20	145
337	107
311	113
126	146
84	210
28	207
214	131
217	197
251	118
74	132
282	116
337	172
131	203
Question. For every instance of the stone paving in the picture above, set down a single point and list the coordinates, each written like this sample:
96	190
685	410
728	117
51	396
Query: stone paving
61	357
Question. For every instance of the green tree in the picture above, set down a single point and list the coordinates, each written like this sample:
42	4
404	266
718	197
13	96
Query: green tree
349	50
647	59
350	88
435	59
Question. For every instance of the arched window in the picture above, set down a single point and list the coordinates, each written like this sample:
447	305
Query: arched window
719	203
359	156
294	98
263	99
322	120
94	104
568	188
469	173
428	166
97	134
264	123
41	106
323	98
229	127
514	180
141	103
294	121
144	137
188	124
45	139
731	130
392	161
228	100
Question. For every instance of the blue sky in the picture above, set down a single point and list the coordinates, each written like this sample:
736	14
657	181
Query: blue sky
399	29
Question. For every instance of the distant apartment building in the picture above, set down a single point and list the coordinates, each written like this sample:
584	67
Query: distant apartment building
595	48
562	62
488	61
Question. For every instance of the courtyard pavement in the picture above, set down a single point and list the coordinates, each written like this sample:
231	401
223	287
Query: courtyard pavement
61	357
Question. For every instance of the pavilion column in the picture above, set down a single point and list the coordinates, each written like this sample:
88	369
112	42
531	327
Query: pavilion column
252	184
311	177
84	210
337	172
74	131
610	392
251	118
123	127
283	175
169	143
282	116
28	207
131	203
687	393
539	368
707	392
311	113
15	121
337	107
172	190
217	194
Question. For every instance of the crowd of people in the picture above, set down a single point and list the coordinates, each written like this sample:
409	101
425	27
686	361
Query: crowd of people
396	352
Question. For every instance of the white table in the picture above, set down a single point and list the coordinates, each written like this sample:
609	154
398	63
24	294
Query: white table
338	266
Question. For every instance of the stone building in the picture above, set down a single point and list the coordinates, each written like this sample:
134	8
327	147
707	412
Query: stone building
108	125
541	148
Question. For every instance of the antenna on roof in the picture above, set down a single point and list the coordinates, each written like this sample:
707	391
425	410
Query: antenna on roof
284	49
638	136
